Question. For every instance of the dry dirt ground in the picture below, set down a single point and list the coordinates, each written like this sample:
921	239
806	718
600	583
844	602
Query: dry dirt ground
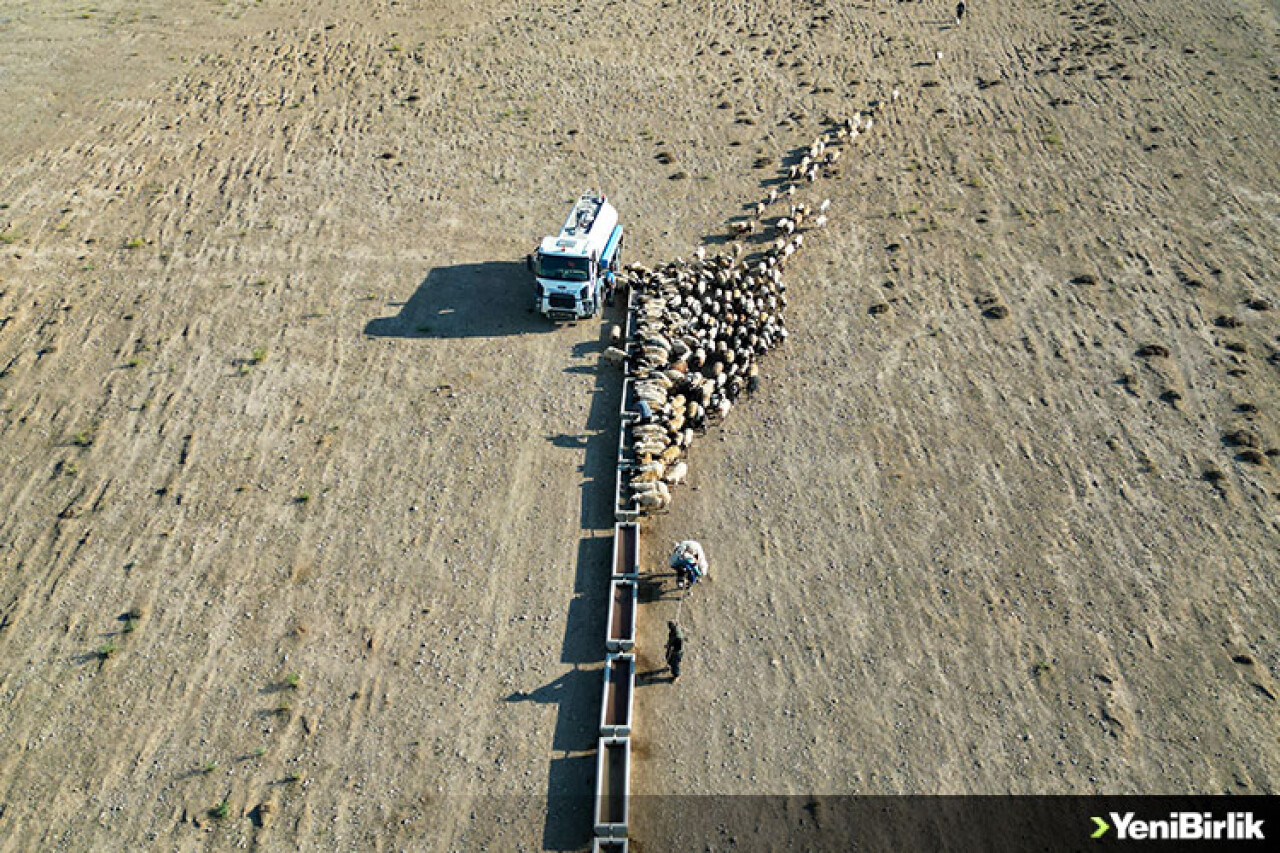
306	516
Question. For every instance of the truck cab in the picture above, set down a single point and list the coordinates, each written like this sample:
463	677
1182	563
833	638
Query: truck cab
569	269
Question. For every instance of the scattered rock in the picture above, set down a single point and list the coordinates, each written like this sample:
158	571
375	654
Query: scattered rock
261	814
991	307
1226	321
1240	438
1153	351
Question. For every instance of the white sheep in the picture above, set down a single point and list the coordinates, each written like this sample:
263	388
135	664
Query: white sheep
652	502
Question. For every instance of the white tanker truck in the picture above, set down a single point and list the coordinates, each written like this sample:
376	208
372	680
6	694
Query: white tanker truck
569	269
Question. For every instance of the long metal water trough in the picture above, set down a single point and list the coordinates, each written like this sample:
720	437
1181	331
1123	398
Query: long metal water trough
624	504
618	701
610	845
628	411
620	625
626	551
613	786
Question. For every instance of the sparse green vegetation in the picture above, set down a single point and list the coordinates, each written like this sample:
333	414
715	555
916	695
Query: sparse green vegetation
7	237
1041	668
259	355
293	776
209	767
107	649
83	438
292	680
259	752
302	497
221	810
134	243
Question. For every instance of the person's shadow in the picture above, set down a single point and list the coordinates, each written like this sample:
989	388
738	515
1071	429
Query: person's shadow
488	299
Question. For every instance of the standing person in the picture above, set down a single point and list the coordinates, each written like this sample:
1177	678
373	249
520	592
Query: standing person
675	649
959	12
610	286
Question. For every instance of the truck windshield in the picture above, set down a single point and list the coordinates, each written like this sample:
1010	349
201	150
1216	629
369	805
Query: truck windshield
562	268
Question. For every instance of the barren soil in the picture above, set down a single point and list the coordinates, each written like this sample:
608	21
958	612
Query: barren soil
304	514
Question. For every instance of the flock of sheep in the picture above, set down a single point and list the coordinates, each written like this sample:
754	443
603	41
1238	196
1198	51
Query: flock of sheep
698	328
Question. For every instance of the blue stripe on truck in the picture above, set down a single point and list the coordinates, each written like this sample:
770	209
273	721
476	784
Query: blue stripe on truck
612	246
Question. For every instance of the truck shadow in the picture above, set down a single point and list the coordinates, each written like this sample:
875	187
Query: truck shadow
489	299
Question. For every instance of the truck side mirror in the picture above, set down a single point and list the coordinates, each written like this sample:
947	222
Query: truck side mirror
528	262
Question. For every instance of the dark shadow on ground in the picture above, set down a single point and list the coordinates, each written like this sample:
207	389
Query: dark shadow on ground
490	299
571	774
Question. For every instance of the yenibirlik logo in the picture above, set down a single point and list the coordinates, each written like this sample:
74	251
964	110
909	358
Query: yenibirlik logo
1182	826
